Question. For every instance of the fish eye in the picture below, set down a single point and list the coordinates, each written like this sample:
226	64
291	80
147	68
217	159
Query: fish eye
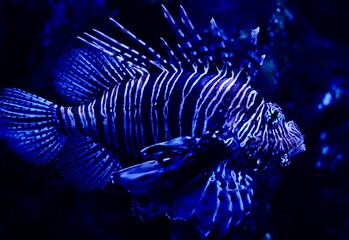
273	117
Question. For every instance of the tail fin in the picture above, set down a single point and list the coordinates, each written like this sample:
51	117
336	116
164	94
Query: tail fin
30	125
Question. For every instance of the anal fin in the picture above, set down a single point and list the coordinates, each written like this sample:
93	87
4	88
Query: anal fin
86	163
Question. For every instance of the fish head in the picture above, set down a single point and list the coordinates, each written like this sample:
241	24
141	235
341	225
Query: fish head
274	140
284	137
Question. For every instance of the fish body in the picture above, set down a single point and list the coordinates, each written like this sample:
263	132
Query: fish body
182	133
139	113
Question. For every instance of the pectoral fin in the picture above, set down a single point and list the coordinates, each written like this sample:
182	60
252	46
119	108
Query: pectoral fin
155	182
175	177
226	200
179	146
164	159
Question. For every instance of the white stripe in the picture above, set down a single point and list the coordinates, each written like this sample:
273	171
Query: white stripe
231	82
125	111
131	108
248	123
114	115
184	96
158	111
83	118
137	107
71	119
91	113
153	103
215	80
64	119
168	95
144	83
104	113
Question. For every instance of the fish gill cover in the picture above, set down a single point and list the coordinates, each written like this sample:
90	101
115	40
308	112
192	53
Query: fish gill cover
311	190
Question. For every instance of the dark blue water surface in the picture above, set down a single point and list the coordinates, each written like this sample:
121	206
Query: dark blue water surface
306	72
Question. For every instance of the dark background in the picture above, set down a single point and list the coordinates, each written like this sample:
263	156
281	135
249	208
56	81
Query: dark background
306	72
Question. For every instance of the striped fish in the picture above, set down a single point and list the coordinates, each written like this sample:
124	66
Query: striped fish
182	133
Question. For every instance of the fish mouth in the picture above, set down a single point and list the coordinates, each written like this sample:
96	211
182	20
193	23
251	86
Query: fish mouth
297	138
299	148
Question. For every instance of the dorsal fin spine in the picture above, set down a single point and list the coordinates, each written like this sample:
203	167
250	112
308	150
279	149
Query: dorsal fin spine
216	32
125	51
190	27
190	50
172	56
185	51
185	19
149	49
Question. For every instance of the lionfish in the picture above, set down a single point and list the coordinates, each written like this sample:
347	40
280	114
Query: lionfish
181	133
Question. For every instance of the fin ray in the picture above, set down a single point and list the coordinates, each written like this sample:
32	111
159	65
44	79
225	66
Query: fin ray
83	74
30	125
86	163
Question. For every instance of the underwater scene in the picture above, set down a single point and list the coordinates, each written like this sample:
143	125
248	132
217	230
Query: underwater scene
174	119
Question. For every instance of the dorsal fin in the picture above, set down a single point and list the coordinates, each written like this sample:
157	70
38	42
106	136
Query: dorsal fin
191	49
121	51
184	46
219	45
83	74
214	48
124	53
190	43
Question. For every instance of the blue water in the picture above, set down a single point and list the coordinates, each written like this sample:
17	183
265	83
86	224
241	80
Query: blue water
306	72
